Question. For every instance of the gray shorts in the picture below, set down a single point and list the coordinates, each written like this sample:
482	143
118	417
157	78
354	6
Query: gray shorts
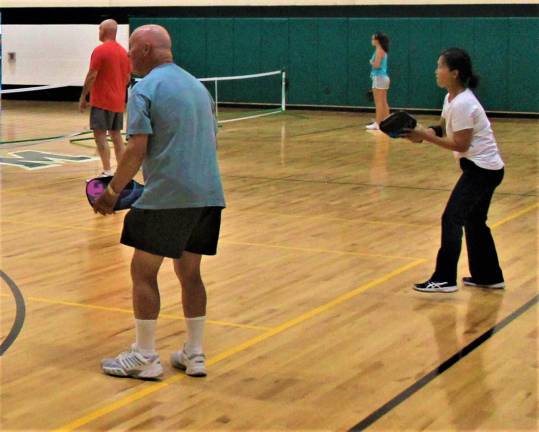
101	119
380	82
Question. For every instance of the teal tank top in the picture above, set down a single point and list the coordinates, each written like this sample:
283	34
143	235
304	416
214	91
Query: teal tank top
382	70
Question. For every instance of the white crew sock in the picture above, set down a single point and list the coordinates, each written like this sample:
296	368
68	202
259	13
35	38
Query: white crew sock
145	342
195	333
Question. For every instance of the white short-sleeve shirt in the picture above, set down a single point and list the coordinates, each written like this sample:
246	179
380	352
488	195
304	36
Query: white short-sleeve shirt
465	112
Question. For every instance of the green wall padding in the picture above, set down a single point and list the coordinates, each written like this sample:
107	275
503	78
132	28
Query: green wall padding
302	69
359	53
399	60
273	54
326	59
332	62
192	45
491	61
246	59
523	94
424	48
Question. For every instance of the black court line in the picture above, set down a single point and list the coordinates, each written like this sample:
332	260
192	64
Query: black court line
343	183
19	317
401	397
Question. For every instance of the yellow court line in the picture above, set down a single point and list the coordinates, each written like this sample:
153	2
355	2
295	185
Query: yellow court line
41	192
328	251
351	220
61	226
515	215
314	312
303	216
130	312
153	388
150	389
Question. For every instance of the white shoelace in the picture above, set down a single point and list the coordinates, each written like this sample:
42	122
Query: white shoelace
433	284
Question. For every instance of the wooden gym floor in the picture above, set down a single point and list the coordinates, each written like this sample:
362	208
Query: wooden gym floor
313	324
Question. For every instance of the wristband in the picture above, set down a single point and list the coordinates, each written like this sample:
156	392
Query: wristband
437	130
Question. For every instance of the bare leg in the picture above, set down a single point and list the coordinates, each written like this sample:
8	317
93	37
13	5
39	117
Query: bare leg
118	142
146	300
380	102
142	361
187	269
386	105
103	151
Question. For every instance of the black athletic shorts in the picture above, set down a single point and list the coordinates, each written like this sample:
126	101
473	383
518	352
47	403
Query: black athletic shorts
101	119
169	232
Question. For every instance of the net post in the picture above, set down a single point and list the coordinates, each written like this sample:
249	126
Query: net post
283	90
216	101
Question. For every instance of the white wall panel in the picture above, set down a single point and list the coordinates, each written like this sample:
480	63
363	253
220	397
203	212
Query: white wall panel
50	54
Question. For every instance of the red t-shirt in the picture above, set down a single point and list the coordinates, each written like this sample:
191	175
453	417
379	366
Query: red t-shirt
112	65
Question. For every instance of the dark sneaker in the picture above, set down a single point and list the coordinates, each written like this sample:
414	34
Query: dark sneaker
432	286
470	282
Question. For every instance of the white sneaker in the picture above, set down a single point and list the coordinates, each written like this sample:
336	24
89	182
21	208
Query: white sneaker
193	364
372	126
106	173
133	364
470	282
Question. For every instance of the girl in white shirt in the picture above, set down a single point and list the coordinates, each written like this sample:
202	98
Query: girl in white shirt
465	130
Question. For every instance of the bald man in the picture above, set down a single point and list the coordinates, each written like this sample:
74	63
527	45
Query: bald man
172	134
106	82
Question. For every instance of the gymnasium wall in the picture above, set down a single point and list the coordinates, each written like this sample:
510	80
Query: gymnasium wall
326	59
324	49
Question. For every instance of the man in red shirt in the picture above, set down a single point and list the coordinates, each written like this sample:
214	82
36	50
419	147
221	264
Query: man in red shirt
106	82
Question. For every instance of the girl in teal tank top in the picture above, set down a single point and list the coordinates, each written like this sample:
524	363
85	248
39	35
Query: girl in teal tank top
380	78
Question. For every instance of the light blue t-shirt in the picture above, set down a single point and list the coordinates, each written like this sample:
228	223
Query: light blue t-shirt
180	168
382	69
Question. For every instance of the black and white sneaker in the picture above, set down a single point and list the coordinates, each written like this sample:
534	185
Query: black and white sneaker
470	282
432	286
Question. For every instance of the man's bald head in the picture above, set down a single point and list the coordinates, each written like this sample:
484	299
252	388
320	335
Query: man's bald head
149	46
154	35
108	30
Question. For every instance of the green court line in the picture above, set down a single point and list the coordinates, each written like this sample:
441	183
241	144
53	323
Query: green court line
76	141
50	138
85	139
